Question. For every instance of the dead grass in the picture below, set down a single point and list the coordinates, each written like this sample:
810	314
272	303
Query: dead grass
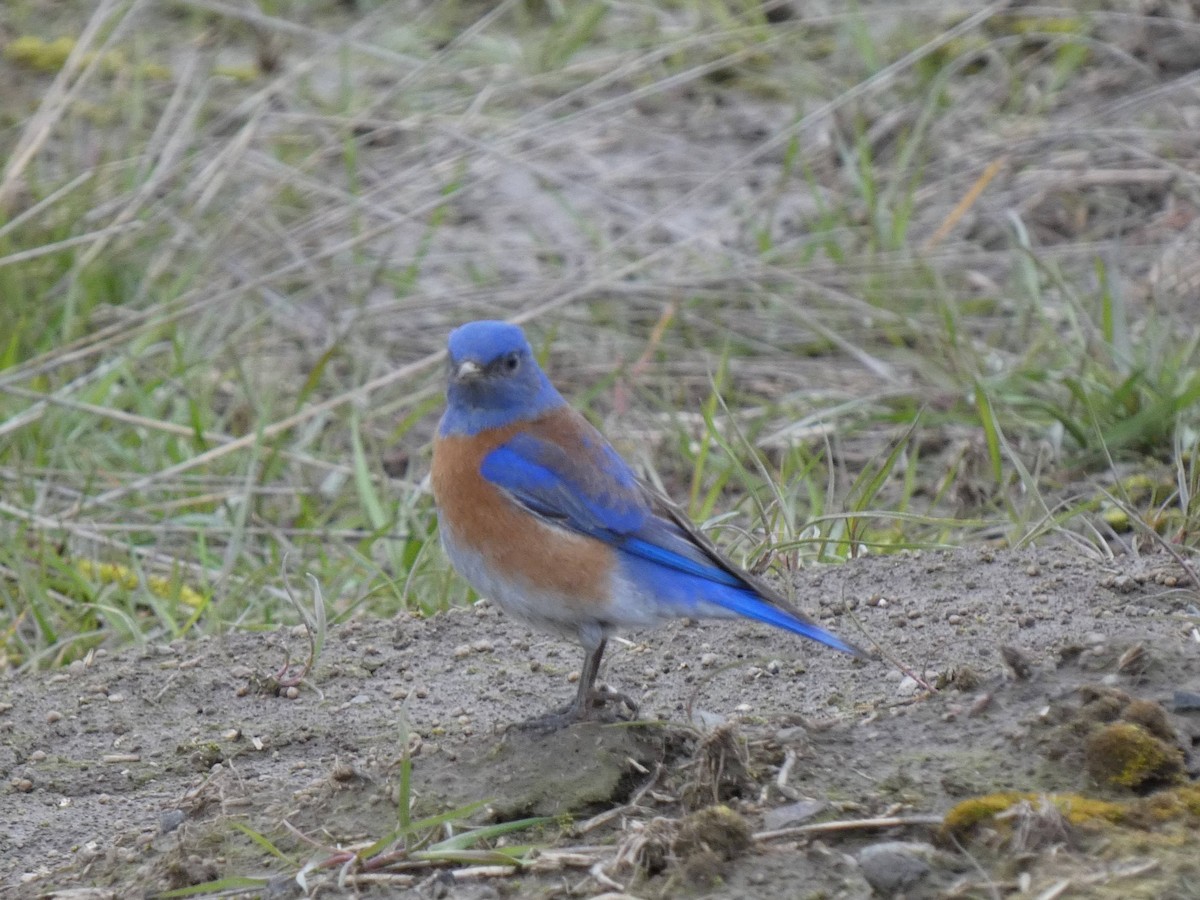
849	283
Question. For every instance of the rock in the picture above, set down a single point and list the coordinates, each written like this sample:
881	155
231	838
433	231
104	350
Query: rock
893	866
1185	701
170	819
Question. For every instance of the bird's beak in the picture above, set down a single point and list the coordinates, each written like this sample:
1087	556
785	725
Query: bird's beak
468	370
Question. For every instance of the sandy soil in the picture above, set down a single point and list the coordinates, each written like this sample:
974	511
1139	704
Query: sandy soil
136	772
760	766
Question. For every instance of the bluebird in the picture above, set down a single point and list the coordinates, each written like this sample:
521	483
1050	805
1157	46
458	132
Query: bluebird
538	512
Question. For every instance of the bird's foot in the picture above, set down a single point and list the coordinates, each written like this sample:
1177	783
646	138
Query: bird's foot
551	721
604	695
602	704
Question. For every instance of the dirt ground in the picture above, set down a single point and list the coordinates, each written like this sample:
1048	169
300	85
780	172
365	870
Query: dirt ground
138	772
1031	725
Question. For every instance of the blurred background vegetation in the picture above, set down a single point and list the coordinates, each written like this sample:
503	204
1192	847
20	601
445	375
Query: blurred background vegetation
842	278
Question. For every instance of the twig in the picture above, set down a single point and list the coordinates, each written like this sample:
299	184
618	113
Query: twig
848	825
608	815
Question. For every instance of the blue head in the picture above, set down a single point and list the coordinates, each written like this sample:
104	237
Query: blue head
493	379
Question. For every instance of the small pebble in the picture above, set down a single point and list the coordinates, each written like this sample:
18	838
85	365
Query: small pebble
1017	662
1122	584
292	693
24	785
708	660
1185	701
980	706
37	756
893	866
53	716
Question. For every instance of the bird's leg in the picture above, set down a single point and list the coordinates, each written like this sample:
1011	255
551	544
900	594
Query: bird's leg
584	700
587	698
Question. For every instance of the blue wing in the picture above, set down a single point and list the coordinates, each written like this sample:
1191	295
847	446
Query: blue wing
597	497
591	491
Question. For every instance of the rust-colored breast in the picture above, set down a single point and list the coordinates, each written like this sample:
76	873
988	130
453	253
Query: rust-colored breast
514	544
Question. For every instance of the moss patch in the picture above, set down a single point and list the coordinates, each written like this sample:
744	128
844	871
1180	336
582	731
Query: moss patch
1127	755
1176	805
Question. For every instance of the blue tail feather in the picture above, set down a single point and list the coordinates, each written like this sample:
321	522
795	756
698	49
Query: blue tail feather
694	592
752	607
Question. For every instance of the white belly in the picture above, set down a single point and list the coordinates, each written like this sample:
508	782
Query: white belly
629	607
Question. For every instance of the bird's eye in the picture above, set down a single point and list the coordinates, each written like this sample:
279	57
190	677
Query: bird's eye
512	362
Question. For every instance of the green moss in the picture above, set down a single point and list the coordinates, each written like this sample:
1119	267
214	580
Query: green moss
964	816
715	828
244	74
39	55
1179	804
1080	810
1173	806
1044	25
1152	717
1127	755
49	57
1075	808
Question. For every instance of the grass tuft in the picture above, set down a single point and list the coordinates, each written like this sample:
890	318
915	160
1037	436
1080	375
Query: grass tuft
881	279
